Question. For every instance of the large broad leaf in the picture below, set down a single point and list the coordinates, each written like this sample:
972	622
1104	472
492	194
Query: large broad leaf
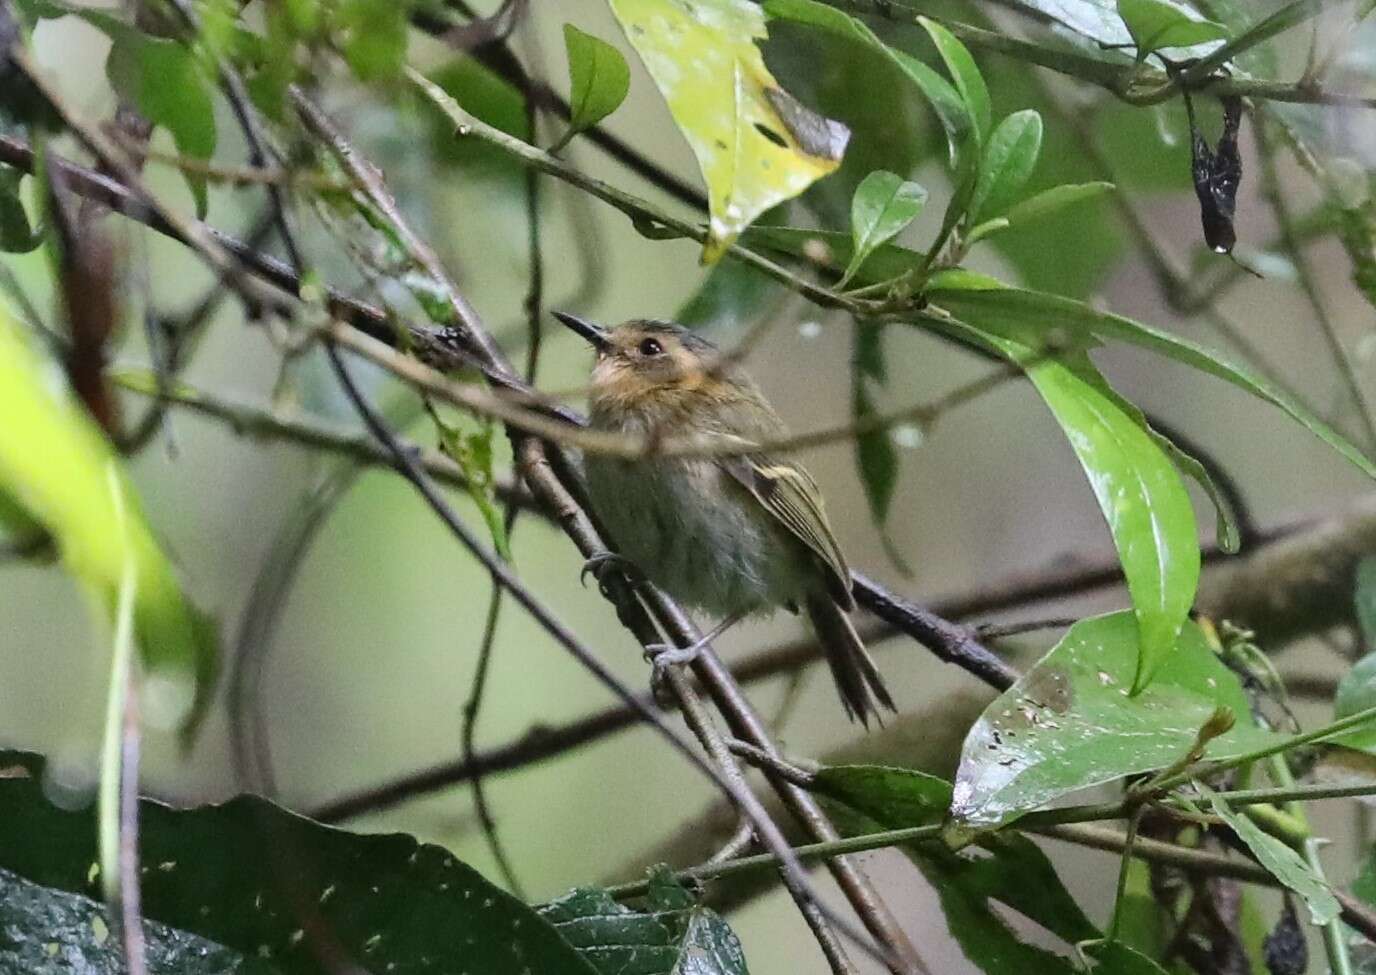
1285	864
51	932
1070	723
1052	314
673	935
1138	487
253	877
1157	24
755	144
1008	869
59	469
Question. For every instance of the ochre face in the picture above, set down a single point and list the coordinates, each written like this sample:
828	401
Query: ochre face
644	359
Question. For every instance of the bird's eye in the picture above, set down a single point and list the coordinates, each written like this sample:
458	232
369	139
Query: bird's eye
650	347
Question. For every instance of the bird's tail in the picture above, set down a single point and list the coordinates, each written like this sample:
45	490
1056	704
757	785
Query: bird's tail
857	678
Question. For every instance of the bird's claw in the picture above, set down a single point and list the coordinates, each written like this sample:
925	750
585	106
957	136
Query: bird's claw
663	656
603	562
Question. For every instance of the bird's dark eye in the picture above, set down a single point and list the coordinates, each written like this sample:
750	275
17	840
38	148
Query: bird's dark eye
650	347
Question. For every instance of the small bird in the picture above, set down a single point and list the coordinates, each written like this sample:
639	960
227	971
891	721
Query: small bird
733	536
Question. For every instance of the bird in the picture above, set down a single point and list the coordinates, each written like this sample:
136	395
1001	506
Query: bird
733	533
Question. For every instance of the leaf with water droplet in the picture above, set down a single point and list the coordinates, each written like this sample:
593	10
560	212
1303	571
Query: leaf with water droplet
1069	722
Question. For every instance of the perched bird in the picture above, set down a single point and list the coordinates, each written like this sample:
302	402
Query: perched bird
730	535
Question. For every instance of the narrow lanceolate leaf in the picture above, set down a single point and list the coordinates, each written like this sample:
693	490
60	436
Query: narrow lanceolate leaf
755	143
1050	200
1009	870
268	884
1051	313
599	80
884	204
946	101
969	82
672	935
1069	723
1158	24
875	453
1009	159
57	467
1285	864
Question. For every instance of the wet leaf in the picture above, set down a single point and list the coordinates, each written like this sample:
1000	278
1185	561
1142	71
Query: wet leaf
883	206
599	80
1357	692
755	144
1157	24
946	101
1008	161
1008	869
1051	313
673	935
241	874
57	466
17	235
52	932
1285	864
1070	723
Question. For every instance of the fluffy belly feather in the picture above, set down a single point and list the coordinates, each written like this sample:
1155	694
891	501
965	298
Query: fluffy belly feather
697	534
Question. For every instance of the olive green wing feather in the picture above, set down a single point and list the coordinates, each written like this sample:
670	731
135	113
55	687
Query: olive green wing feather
790	494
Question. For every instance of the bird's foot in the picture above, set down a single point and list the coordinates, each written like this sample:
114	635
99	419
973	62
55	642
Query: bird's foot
599	565
663	657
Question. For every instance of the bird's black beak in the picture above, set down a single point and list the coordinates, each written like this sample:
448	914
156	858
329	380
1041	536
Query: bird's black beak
596	335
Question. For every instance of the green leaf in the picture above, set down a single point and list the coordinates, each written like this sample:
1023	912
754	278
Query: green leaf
886	262
1009	159
1050	200
1225	525
1010	869
884	204
1137	486
946	101
1051	313
1158	24
491	99
17	235
1116	958
51	932
731	294
1285	864
1357	692
674	935
1069	722
875	454
599	80
374	37
57	466
965	73
755	144
1364	601
240	872
163	80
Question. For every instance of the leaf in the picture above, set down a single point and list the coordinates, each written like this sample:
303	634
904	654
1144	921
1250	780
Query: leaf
375	37
1050	313
17	235
875	453
599	80
240	873
886	262
1050	200
1008	161
946	101
49	932
1139	490
57	466
731	294
969	82
1357	692
755	144
1285	864
1116	958
1364	601
884	204
1009	869
1069	722
674	935
163	80
1158	24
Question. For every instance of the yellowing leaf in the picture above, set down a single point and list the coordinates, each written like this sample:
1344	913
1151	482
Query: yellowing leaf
58	468
755	143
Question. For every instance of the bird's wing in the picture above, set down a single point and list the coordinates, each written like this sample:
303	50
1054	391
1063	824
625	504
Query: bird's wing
791	495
